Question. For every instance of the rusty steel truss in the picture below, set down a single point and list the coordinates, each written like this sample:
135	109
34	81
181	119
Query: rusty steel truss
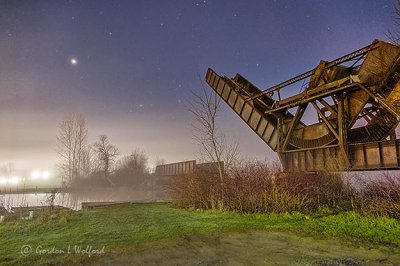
187	167
343	116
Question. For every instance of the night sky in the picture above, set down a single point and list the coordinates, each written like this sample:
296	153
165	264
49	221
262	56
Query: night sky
129	66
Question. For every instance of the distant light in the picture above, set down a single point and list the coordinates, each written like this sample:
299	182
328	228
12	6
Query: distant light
14	180
45	174
3	181
74	61
35	175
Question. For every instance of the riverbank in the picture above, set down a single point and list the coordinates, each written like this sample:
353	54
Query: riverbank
145	233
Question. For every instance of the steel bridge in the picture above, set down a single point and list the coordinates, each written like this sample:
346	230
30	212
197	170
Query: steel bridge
355	103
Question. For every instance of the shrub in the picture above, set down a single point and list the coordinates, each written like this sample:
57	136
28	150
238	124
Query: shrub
197	190
259	187
380	196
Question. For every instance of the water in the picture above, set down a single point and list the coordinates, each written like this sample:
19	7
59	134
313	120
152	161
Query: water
74	200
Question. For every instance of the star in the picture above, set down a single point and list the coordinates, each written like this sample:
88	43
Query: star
73	61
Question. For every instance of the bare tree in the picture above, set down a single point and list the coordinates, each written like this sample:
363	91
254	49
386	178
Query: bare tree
394	34
132	168
106	154
81	147
88	164
212	141
160	161
71	145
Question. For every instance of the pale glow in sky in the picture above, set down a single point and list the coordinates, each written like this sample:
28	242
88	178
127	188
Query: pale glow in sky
129	67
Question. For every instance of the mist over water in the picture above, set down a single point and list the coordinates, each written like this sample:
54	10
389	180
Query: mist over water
156	191
74	200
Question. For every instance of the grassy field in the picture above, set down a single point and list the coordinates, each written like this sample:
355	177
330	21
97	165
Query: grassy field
125	229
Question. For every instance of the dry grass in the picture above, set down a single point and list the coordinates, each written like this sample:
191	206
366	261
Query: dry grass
258	187
380	196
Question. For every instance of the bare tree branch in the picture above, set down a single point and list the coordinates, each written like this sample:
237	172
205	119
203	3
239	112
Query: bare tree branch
106	154
71	145
205	107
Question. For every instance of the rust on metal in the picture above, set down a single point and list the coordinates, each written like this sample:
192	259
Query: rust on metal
355	103
187	167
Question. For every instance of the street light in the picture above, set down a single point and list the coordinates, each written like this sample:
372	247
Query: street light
35	175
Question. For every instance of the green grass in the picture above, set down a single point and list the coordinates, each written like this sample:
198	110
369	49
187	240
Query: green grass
122	229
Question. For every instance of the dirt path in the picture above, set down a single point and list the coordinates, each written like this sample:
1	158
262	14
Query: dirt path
255	248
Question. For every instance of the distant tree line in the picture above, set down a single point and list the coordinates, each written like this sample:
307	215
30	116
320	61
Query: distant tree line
96	164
